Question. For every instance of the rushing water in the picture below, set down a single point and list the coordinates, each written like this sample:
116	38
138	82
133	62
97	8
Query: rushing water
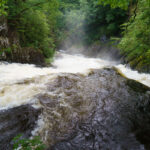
20	82
83	105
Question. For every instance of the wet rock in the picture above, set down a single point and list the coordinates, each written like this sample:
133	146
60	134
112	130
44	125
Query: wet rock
3	26
100	111
103	111
14	121
28	55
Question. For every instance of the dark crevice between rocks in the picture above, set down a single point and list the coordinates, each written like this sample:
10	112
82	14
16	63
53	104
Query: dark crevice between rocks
14	121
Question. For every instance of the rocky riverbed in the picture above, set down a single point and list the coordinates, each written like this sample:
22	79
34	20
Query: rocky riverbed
98	111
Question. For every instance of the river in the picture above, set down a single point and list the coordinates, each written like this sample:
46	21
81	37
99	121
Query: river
32	79
72	90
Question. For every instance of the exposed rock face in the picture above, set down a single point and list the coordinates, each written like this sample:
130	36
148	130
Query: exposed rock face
14	121
4	41
28	55
3	26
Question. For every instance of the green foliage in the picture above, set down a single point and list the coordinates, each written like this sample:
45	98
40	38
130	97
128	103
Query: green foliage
44	24
8	50
28	144
116	3
3	7
103	20
74	19
135	44
17	8
87	21
48	61
124	4
71	23
37	22
34	30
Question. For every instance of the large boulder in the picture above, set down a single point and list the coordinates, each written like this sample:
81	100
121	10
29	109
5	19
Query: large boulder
101	111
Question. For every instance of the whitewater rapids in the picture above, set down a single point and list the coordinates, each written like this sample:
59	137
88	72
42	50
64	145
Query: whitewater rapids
20	83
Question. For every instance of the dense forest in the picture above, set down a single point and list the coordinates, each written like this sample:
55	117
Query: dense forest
74	74
32	30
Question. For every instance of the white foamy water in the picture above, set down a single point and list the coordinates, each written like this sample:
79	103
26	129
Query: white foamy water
12	73
140	77
20	83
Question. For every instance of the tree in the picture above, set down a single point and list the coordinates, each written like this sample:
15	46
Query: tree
36	21
103	20
116	3
135	43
